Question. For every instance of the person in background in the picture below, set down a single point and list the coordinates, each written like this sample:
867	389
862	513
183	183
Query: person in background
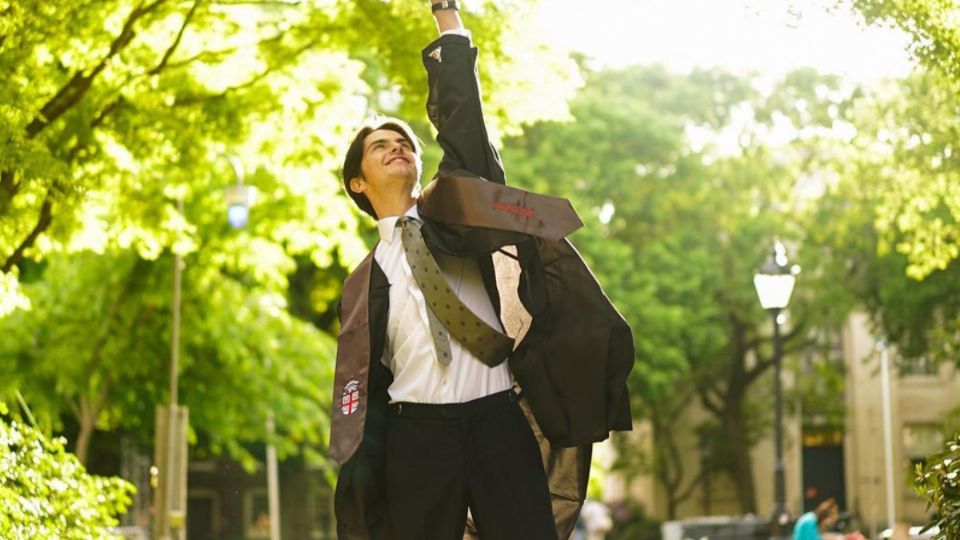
811	524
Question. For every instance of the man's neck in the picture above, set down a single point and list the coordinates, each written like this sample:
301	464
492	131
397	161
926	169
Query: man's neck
394	208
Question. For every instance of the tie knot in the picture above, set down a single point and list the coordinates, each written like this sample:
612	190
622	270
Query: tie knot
407	220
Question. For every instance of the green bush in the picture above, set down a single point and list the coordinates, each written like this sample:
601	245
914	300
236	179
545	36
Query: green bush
938	482
45	493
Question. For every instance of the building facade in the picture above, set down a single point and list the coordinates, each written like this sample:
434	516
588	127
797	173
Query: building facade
922	394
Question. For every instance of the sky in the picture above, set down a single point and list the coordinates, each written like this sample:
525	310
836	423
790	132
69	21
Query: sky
765	36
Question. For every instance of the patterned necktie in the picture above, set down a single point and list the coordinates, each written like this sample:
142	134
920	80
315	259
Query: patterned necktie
444	308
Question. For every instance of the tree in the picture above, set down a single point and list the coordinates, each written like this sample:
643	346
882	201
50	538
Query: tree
921	209
932	25
676	226
46	493
865	231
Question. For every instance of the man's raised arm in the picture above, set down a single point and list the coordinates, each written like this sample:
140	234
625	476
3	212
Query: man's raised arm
454	102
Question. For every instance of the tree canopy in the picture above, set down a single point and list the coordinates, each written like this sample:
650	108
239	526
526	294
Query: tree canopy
916	141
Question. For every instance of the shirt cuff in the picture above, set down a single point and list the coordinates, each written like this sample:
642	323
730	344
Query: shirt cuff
458	32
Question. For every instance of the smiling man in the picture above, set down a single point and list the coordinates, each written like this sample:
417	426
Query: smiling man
428	420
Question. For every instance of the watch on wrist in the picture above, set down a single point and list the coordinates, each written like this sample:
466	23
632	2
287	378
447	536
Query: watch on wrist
445	4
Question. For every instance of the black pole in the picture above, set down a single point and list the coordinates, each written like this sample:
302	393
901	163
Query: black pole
780	517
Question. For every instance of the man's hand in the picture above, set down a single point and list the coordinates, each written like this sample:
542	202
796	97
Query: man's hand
447	19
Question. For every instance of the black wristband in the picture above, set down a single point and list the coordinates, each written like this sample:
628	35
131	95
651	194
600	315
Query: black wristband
445	4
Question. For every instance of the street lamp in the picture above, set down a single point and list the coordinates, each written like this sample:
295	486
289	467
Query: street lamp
774	283
239	197
172	421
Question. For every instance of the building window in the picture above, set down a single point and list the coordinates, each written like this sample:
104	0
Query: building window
203	514
921	365
920	441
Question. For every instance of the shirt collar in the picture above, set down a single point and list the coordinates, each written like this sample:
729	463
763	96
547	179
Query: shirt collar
388	225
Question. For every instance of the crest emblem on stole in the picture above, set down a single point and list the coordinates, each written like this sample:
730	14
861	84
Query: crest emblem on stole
350	401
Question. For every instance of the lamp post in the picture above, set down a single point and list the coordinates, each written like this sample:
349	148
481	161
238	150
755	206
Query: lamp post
774	282
239	199
172	421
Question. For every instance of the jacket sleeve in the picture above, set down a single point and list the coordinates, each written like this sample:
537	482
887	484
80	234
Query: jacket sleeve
455	109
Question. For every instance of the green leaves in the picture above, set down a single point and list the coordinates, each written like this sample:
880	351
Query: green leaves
112	109
915	130
46	493
931	23
937	481
888	220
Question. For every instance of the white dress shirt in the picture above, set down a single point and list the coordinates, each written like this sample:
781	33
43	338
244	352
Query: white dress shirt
409	351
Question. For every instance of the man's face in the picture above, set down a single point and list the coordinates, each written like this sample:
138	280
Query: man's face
389	165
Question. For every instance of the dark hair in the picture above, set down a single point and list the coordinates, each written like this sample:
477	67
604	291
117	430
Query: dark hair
825	509
351	163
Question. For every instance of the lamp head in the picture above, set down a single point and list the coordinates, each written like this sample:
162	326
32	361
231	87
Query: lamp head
774	280
239	200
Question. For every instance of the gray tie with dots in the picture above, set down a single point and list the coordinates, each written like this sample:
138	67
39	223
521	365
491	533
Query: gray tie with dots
445	310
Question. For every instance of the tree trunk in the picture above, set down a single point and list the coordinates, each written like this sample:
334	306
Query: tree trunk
88	421
741	462
89	412
671	468
671	508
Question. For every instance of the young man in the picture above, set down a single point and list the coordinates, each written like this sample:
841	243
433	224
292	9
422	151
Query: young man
425	421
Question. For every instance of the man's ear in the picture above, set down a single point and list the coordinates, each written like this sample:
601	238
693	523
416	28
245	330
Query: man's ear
357	185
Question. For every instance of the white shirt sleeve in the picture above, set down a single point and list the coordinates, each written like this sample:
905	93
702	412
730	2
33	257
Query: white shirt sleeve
459	32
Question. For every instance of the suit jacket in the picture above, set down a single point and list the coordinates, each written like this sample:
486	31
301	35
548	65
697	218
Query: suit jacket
575	350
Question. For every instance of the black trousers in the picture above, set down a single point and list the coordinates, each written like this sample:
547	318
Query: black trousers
481	455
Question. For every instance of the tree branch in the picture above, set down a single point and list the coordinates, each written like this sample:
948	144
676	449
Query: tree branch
8	188
694	483
708	402
80	83
108	319
176	42
200	98
797	329
43	222
203	55
761	366
101	397
255	79
94	124
107	111
666	468
74	408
